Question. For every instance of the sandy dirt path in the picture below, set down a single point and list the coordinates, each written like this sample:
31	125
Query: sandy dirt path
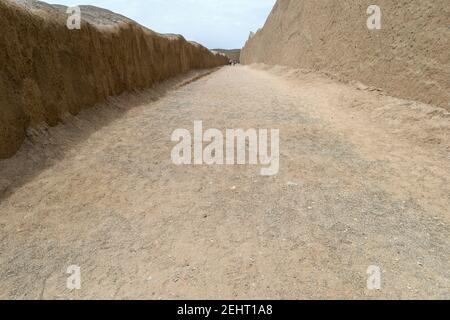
364	180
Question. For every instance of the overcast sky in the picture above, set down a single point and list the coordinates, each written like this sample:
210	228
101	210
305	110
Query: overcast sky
213	23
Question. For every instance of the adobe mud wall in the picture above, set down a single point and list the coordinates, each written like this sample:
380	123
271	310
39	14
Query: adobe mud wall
48	70
409	57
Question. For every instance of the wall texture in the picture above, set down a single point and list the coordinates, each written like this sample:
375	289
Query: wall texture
47	70
408	58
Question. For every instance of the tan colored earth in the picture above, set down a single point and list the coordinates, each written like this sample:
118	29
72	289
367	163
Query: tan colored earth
364	180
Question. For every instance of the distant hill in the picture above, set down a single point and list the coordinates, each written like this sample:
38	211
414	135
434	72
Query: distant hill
233	54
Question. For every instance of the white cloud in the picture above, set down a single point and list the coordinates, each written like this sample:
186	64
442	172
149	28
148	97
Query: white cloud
214	23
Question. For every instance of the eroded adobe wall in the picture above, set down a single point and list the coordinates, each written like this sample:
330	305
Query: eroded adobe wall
408	58
48	70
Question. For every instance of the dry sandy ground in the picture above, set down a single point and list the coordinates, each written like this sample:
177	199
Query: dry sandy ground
364	180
